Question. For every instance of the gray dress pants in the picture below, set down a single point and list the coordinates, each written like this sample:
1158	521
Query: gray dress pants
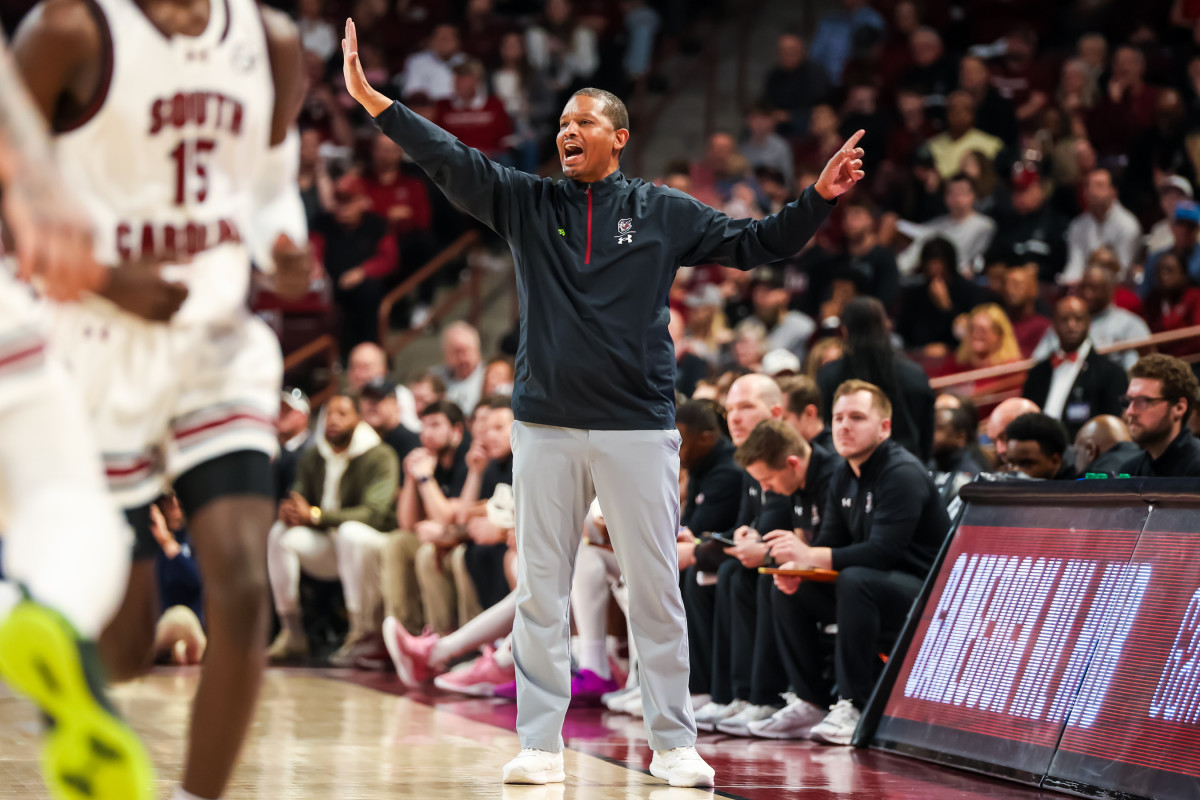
635	475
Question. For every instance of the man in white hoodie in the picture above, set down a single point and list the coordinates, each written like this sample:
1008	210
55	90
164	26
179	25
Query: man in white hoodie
333	526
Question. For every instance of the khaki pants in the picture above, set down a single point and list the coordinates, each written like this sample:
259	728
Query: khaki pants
401	592
422	586
447	593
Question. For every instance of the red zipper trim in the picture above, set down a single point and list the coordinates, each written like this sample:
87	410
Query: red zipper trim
587	258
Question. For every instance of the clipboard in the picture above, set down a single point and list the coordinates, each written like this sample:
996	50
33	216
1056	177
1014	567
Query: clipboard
817	575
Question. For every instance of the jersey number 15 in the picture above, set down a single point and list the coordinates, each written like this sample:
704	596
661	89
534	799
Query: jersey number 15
191	169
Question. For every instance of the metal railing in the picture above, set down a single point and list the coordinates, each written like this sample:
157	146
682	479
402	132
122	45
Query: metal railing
323	345
1015	371
448	256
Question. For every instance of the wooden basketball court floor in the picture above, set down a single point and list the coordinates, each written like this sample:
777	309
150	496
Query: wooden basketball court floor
350	736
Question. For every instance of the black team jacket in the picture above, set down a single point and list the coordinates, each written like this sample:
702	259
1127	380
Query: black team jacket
889	518
594	265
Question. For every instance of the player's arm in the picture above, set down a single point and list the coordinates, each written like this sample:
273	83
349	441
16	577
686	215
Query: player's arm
53	236
59	52
279	235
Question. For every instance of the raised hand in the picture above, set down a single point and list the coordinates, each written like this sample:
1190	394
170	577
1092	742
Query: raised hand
843	170
356	80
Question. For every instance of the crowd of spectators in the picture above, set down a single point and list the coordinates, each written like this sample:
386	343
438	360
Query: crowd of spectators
1014	154
1054	157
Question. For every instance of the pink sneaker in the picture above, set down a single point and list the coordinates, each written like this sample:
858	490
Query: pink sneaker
478	680
506	691
587	686
409	653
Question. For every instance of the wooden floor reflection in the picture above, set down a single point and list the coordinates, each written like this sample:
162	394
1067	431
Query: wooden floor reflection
343	735
320	738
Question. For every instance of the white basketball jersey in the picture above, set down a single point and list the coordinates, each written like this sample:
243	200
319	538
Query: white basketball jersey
167	164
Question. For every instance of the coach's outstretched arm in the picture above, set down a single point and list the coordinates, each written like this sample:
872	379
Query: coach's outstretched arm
746	243
469	179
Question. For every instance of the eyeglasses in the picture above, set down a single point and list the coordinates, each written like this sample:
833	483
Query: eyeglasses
1140	402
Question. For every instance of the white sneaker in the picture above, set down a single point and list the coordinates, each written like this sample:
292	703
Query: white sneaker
681	766
535	766
794	721
839	724
615	701
712	713
739	724
633	705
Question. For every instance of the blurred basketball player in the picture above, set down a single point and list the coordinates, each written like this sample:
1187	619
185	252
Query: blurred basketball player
172	119
66	548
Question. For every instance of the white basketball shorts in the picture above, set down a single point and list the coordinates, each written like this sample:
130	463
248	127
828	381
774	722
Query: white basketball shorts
164	398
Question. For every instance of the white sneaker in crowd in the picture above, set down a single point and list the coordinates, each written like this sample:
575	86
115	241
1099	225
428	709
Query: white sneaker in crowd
614	701
712	713
681	766
839	724
633	705
739	724
794	721
535	766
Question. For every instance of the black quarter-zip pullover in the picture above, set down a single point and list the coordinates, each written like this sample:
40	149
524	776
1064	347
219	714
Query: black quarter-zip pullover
594	265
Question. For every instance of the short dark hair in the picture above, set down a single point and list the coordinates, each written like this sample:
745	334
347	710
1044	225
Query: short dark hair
941	249
611	106
700	416
962	177
1048	432
961	421
1178	380
451	411
353	397
802	392
494	401
771	442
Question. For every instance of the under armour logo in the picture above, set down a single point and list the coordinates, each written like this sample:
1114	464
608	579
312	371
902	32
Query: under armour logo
847	502
625	231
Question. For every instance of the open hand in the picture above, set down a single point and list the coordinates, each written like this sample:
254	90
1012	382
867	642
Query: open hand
356	80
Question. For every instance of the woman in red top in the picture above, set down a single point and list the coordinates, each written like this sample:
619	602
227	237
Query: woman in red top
1172	304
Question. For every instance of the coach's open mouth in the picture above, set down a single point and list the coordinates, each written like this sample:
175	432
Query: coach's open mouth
572	153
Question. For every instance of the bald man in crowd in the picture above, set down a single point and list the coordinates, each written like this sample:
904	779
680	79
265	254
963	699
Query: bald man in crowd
997	423
462	365
368	363
1102	445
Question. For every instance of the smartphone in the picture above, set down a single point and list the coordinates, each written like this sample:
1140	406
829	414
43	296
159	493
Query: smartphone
723	539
